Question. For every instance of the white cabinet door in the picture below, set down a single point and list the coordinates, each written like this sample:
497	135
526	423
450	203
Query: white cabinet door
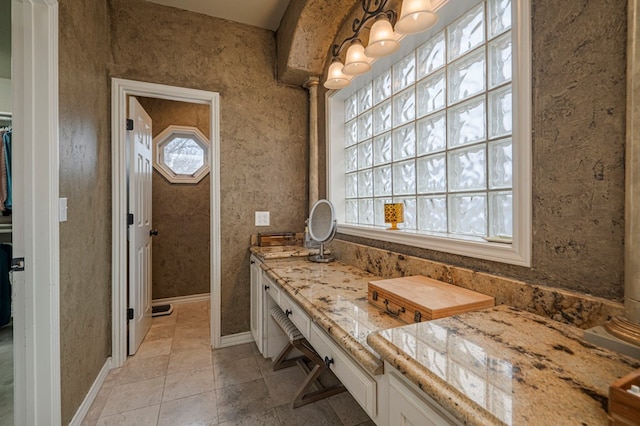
358	382
256	302
406	408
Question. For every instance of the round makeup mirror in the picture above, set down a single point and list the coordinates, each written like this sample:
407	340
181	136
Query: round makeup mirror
322	227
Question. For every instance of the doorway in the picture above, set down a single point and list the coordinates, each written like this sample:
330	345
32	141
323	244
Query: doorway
36	315
179	206
6	302
121	91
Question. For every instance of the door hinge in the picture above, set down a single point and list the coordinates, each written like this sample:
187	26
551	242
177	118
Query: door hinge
130	219
17	264
130	313
129	124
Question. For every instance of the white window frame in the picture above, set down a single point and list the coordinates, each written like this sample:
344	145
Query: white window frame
165	137
518	252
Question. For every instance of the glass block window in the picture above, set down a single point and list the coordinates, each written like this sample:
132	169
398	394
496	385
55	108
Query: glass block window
434	131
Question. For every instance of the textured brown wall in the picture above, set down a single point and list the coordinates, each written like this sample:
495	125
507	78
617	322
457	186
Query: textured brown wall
263	125
578	151
85	239
180	212
306	30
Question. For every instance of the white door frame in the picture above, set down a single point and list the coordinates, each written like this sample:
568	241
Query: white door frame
35	221
120	89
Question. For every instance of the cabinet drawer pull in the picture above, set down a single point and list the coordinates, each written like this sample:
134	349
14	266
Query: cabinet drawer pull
288	312
328	361
253	262
266	287
401	310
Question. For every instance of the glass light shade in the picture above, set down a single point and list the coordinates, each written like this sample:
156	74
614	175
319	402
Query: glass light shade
382	41
335	78
356	62
415	16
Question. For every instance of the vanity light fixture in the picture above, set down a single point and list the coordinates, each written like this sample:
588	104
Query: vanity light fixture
415	16
356	62
336	79
382	40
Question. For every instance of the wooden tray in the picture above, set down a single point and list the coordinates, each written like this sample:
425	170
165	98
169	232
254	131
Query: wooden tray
418	298
276	239
624	408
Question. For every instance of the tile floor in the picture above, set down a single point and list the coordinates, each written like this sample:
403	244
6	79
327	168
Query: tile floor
176	379
6	375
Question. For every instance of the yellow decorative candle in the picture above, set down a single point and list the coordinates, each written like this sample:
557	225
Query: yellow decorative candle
394	214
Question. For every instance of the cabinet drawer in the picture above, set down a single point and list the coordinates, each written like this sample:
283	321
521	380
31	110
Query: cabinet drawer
298	316
406	406
271	288
359	384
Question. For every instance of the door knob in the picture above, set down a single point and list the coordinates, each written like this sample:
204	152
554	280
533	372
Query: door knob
153	232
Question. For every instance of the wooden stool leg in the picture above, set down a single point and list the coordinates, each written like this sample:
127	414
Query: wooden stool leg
281	361
296	340
304	397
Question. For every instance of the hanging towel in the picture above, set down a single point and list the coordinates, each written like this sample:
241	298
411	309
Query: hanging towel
5	286
7	152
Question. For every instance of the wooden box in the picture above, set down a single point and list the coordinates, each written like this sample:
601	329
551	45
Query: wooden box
624	408
276	239
418	298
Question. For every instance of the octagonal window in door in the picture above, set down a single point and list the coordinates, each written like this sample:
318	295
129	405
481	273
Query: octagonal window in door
181	154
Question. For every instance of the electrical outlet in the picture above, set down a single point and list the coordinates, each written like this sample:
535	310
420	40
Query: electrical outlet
262	218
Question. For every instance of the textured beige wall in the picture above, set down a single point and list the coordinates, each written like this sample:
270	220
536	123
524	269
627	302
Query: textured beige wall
180	212
306	29
578	151
263	125
85	239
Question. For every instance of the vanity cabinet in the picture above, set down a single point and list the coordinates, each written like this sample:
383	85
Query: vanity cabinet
265	294
360	384
389	398
256	303
410	406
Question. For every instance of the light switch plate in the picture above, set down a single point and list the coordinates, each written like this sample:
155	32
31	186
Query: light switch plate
62	204
262	219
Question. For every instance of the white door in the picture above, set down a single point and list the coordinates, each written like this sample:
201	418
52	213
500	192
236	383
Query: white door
139	142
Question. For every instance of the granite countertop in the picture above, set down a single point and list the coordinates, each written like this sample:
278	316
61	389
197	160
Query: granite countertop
506	366
335	297
280	252
496	366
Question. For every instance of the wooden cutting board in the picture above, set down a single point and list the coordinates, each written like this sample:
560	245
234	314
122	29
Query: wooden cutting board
418	298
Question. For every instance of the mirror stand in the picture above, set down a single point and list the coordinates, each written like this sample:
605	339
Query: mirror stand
320	257
322	226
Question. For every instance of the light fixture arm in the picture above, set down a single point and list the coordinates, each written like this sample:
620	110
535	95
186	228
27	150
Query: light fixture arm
372	9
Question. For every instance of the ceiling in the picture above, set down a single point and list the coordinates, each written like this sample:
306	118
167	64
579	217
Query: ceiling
259	13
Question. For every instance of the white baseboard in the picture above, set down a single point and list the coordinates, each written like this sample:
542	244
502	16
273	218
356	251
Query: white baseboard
91	395
182	299
236	339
